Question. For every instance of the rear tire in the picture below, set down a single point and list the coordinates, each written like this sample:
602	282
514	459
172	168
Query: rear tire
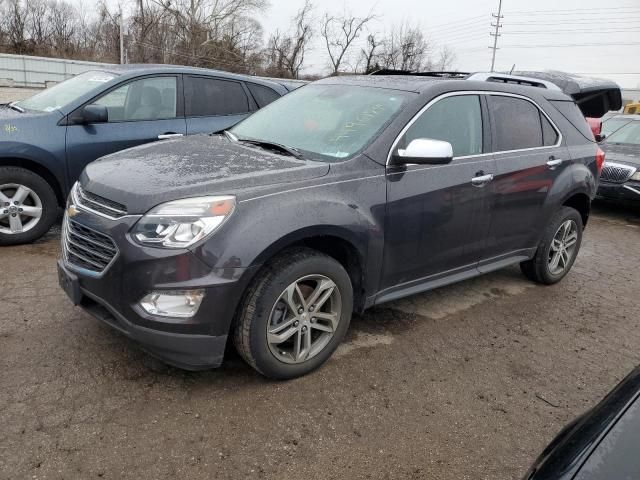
283	303
558	248
28	206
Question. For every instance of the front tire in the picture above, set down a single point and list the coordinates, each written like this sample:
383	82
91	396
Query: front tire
295	314
558	248
28	206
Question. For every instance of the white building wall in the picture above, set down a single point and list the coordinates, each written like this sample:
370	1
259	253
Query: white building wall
27	71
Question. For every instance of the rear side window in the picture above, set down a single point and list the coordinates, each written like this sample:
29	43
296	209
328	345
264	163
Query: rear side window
457	120
549	134
213	97
572	113
517	123
263	95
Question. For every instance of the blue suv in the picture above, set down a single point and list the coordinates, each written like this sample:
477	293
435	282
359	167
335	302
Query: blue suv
48	139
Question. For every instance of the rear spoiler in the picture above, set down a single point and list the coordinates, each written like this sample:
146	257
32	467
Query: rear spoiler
594	96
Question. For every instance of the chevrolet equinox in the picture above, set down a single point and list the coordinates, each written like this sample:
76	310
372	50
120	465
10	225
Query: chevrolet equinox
347	193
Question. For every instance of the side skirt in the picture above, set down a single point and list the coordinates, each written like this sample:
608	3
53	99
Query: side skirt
440	280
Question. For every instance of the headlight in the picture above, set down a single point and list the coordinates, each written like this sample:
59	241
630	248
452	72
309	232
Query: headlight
181	223
636	176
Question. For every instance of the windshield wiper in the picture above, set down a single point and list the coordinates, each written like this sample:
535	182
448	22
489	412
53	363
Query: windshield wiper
272	146
15	107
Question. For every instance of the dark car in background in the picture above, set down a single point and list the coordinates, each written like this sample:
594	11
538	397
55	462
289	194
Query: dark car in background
620	179
48	139
345	194
602	444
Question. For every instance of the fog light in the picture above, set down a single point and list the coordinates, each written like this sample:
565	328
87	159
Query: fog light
180	304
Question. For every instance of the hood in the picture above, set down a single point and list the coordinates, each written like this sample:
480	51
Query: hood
622	153
8	114
145	176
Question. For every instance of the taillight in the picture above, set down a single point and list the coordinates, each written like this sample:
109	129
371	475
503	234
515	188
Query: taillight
600	160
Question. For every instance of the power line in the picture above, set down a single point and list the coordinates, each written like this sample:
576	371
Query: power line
565	32
566	45
573	11
580	21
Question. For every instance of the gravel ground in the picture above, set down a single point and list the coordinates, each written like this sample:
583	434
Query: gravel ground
466	382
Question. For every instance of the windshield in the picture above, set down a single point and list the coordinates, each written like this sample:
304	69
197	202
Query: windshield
64	93
628	134
613	124
326	122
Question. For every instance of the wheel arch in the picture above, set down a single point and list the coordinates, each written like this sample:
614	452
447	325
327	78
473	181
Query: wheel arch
581	202
39	169
336	242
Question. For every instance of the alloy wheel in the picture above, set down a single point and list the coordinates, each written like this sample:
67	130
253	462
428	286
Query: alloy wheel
304	319
20	209
563	247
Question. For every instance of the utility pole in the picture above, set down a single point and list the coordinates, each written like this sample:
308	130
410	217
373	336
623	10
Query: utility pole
122	59
495	35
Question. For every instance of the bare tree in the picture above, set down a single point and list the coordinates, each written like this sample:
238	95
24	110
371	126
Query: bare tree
339	33
286	53
446	59
369	54
406	49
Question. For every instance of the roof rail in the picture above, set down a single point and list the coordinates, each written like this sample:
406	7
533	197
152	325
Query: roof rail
391	71
512	79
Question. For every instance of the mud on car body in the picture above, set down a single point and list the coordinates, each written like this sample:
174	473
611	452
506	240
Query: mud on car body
347	193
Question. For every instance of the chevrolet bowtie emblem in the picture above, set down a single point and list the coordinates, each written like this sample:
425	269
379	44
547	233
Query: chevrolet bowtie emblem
72	211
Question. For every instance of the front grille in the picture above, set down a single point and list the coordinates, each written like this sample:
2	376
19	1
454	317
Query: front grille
85	248
98	204
616	173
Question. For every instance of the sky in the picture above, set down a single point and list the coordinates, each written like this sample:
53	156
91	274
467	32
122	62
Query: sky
578	36
464	26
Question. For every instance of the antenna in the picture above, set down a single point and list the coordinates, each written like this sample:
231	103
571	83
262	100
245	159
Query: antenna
497	34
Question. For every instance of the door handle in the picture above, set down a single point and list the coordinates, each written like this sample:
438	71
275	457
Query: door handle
164	136
481	180
554	162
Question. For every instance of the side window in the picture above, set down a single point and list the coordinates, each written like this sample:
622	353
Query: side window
457	120
517	123
263	95
144	99
549	134
211	97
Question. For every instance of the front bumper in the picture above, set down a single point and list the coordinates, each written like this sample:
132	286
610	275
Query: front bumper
622	192
112	296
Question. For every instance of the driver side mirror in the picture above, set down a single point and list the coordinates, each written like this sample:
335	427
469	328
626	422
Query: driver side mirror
424	151
600	137
95	114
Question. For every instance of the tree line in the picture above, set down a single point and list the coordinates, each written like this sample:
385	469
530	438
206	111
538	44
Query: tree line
223	34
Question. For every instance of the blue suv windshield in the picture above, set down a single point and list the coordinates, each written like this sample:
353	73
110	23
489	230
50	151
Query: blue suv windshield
66	92
327	122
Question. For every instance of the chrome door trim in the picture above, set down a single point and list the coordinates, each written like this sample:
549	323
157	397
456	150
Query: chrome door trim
415	118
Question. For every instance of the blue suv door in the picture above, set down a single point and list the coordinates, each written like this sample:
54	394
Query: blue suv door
140	111
213	104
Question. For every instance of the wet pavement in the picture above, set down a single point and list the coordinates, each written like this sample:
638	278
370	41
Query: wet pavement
466	382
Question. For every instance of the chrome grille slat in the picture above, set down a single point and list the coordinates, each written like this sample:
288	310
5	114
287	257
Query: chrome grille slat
98	204
85	248
616	172
96	243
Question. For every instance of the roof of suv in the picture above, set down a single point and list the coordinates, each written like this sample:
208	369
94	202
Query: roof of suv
420	84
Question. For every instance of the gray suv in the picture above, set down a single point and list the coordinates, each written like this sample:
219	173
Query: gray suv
345	194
